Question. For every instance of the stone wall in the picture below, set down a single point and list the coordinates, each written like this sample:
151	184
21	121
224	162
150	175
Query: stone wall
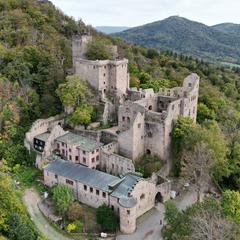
115	164
41	126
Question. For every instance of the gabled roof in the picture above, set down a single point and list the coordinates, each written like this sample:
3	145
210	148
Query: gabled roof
80	173
82	142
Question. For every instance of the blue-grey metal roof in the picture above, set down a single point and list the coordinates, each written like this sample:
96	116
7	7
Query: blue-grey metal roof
124	189
85	175
82	142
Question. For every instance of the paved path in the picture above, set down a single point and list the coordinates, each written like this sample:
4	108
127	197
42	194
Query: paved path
187	199
31	199
148	226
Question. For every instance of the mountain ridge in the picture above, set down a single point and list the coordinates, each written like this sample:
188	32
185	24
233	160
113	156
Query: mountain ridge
187	37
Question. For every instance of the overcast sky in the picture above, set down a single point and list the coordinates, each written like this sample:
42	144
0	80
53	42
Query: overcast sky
138	12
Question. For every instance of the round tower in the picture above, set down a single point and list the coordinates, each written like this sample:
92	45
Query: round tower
127	213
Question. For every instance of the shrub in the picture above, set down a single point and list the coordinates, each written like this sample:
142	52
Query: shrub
75	211
71	227
107	218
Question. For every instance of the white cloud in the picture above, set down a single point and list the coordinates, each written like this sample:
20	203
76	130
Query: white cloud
138	12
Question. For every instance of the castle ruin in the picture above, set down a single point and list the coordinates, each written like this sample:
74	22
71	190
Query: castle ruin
99	166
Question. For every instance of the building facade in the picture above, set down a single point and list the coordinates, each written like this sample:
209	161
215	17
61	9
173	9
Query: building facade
129	196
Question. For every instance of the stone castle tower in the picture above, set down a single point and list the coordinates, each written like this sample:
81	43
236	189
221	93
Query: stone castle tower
108	77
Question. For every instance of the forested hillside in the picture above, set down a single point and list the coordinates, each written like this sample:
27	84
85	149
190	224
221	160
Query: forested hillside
228	28
35	57
187	37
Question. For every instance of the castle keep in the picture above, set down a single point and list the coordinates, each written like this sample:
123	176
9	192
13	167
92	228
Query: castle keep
106	76
99	166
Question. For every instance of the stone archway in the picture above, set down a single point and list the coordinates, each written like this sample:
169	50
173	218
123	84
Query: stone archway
158	198
148	152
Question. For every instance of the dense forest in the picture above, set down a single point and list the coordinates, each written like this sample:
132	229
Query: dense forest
35	57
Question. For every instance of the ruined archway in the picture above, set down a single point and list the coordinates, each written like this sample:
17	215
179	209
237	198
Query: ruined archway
158	198
148	152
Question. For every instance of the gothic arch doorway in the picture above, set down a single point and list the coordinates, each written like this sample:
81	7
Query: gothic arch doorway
158	198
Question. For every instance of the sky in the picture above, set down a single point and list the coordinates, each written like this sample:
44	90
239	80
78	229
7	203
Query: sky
138	12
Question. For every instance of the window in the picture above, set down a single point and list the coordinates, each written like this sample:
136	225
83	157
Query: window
84	160
104	194
70	157
128	212
58	145
97	158
70	150
104	74
172	107
112	166
63	144
69	182
63	152
123	118
97	150
76	158
85	187
93	152
93	160
139	125
128	119
142	196
91	189
84	152
112	207
97	192
56	176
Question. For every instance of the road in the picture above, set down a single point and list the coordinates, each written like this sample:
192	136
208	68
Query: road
31	200
148	226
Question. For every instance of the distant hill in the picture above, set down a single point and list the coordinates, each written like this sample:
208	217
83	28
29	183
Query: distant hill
188	37
228	28
111	29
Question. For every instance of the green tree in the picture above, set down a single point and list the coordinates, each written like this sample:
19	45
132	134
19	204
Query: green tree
74	92
231	205
204	113
19	229
98	50
107	218
62	198
82	115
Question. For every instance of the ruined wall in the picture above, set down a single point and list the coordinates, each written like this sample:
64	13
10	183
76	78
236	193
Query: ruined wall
115	164
56	132
131	141
41	126
79	47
